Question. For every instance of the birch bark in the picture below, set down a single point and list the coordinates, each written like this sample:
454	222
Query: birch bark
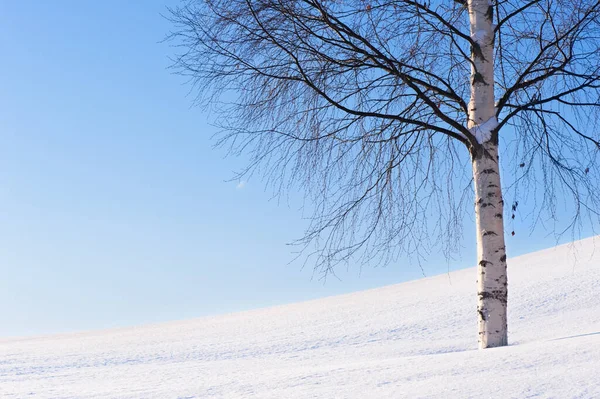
491	256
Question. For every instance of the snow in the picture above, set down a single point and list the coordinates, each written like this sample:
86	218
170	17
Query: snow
410	340
483	132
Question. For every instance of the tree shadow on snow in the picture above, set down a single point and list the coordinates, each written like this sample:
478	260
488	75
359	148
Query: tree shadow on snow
577	336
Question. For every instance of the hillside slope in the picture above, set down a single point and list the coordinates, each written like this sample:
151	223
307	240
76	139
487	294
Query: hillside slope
410	340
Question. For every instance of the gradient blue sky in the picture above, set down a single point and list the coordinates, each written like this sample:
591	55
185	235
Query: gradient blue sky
114	208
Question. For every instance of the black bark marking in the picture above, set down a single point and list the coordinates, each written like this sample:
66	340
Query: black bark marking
498	215
481	314
492	186
477	53
478	78
484	263
503	258
492	194
487	154
498	295
489	171
489	233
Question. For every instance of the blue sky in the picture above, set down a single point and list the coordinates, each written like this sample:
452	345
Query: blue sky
115	209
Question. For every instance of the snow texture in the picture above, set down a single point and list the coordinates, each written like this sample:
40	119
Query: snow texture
411	340
483	132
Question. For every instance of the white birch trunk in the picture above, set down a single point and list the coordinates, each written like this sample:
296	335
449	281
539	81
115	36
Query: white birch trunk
491	256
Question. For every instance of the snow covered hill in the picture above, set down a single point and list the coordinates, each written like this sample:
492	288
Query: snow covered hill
410	340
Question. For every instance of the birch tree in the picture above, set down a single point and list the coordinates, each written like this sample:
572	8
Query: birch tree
385	111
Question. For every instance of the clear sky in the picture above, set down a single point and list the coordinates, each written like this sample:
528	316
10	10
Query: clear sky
115	210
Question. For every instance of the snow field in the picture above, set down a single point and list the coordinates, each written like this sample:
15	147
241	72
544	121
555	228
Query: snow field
410	340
